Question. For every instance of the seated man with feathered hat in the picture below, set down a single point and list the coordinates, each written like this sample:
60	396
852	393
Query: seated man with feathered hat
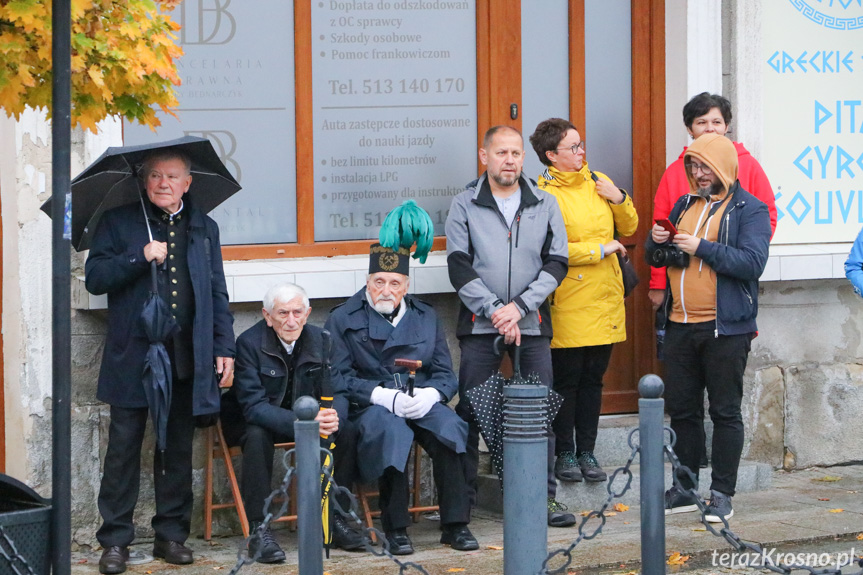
378	327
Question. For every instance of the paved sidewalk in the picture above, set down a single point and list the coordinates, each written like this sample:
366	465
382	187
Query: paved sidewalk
792	511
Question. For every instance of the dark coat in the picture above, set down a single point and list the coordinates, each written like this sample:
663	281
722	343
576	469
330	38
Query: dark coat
738	257
117	266
365	346
261	379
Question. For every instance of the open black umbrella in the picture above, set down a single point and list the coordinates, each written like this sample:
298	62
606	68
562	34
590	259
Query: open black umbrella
486	401
113	181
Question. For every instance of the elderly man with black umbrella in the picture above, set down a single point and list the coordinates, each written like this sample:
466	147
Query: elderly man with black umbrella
184	244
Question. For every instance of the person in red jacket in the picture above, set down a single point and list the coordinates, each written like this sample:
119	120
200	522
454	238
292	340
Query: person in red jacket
703	114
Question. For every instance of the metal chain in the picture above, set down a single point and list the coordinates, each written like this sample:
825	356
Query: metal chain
14	556
599	513
764	559
351	514
283	492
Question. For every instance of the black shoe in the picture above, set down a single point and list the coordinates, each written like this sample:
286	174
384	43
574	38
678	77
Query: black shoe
558	516
459	537
266	543
172	552
677	501
113	560
566	467
719	507
400	543
590	468
344	537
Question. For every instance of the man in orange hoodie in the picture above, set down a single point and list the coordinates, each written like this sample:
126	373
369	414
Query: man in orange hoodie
706	114
714	261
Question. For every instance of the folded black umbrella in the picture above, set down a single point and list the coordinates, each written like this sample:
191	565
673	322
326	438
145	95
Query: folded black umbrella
327	396
113	181
159	324
486	402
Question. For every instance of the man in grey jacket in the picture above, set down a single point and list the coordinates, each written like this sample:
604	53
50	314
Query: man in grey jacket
506	252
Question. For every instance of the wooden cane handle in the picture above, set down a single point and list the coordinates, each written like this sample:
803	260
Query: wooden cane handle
411	364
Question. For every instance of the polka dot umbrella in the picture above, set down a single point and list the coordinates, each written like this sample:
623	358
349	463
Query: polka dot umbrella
486	401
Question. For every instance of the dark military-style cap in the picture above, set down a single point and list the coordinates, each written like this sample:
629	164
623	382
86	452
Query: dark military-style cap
383	259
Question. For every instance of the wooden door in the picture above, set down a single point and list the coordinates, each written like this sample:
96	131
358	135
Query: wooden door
636	356
499	71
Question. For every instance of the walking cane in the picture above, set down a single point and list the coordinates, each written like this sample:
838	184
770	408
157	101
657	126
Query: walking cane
413	365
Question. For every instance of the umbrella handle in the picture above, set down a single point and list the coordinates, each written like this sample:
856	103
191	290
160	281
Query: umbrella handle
154	283
326	363
326	346
154	287
516	362
146	215
326	390
498	347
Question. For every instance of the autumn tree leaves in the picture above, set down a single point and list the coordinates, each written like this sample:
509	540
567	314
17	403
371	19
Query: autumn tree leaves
123	59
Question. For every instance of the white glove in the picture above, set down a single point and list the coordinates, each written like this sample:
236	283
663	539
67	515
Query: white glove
384	397
401	403
421	403
393	400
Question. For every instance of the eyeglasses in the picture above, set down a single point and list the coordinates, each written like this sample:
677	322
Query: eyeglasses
703	168
575	147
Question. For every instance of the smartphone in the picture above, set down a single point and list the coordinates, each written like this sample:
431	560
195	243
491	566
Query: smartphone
666	223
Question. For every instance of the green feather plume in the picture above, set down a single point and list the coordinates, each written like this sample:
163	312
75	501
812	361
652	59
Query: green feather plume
405	225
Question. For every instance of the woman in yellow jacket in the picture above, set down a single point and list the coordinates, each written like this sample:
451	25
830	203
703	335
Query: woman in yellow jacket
587	309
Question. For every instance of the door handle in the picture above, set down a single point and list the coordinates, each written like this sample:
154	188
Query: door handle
513	111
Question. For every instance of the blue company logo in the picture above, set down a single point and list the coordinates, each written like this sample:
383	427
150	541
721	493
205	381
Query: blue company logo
832	14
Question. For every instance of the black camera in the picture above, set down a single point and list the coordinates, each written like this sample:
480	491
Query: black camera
670	256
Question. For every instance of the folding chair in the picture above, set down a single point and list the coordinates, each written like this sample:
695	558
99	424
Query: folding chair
217	449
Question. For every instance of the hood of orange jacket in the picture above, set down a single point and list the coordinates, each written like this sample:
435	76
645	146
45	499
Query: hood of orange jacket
720	155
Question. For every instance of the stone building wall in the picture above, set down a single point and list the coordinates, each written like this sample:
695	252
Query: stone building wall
804	383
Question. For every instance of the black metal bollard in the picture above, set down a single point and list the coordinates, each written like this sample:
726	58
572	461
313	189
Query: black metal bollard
310	539
650	433
525	453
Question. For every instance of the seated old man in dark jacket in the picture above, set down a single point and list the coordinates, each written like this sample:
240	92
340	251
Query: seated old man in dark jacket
278	360
376	326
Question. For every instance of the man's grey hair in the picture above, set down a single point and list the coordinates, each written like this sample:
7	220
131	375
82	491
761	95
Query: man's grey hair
284	292
164	155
